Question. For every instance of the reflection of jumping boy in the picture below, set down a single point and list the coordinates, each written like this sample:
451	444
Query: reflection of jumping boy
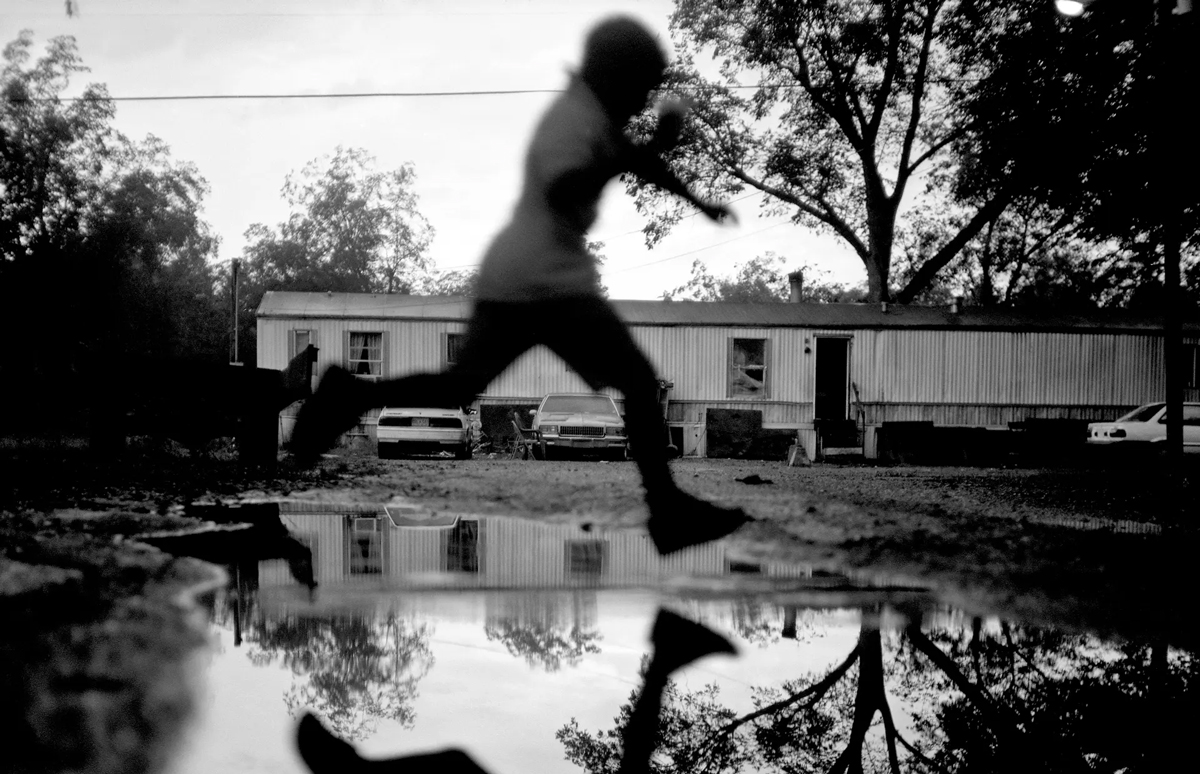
539	285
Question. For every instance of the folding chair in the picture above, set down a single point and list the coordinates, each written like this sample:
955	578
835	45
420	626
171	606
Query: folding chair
527	444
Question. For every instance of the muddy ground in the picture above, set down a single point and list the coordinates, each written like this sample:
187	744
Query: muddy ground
102	621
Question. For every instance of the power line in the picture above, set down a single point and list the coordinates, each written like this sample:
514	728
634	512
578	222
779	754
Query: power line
606	240
349	95
397	94
692	252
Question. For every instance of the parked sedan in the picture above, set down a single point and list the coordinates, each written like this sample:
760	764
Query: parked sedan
424	431
1146	425
580	423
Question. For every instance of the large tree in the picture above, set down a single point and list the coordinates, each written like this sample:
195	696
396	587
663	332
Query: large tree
101	241
352	228
843	112
933	698
353	670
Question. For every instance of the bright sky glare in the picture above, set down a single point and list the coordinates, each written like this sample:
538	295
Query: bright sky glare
467	149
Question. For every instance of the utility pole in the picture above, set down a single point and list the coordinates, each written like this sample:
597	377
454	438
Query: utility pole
1174	34
1172	19
237	266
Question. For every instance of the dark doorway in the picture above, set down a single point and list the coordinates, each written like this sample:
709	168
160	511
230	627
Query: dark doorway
831	397
462	547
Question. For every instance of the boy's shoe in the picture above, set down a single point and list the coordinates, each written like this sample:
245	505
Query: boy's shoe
322	751
334	408
325	753
679	641
679	521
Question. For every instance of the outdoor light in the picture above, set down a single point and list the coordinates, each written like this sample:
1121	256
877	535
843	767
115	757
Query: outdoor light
1077	7
1070	7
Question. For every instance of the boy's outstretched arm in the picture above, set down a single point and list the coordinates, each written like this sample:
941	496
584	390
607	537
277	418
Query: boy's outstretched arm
644	162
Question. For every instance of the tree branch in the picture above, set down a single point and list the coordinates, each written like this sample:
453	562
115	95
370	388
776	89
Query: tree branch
879	104
890	734
924	276
816	690
1005	725
922	757
825	213
933	149
838	112
918	94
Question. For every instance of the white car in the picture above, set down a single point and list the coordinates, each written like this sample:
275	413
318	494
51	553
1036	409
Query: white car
424	431
1146	424
581	423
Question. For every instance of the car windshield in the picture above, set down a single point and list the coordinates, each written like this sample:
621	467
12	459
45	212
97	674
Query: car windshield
578	404
1141	413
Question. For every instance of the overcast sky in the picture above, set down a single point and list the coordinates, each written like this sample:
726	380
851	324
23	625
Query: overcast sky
467	150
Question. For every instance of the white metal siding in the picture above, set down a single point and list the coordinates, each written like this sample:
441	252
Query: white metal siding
695	359
967	377
513	552
1005	368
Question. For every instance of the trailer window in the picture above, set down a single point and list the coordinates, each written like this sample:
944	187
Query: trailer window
747	368
365	356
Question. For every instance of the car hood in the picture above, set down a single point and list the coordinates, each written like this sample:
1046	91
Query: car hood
559	418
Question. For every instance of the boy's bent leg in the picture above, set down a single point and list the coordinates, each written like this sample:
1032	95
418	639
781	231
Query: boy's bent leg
495	337
497	334
597	345
677	643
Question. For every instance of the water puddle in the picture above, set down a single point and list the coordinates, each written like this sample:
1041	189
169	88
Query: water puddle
522	643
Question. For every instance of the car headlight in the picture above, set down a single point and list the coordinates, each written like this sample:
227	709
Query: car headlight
618	430
549	429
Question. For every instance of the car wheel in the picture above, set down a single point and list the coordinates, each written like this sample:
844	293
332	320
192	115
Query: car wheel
386	452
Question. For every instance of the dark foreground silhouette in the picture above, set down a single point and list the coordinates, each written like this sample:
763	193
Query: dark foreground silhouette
677	642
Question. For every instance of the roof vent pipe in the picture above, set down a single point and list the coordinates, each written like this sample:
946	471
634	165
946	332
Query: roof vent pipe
883	306
956	305
796	286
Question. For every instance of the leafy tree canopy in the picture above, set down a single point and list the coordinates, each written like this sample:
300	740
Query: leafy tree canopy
110	226
844	113
352	228
543	644
353	671
763	279
935	698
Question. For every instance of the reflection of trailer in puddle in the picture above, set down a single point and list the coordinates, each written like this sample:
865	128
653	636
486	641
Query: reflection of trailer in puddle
410	546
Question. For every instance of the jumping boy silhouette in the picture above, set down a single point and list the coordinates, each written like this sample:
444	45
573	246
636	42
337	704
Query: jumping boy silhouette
539	285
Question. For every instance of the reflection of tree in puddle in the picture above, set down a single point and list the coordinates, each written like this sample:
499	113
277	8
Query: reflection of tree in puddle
542	644
354	670
536	628
945	697
758	625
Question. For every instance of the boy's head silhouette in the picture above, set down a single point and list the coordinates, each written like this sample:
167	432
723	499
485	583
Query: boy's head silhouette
622	63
